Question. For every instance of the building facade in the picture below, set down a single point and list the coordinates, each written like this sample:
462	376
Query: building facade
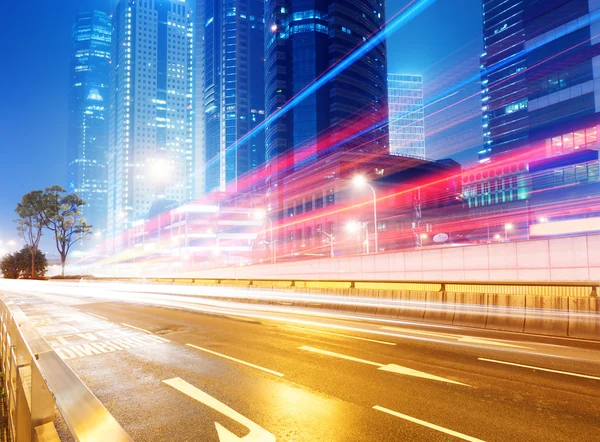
151	110
406	115
539	76
88	114
349	113
416	199
230	92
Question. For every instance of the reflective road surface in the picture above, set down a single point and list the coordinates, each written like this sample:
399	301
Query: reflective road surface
180	368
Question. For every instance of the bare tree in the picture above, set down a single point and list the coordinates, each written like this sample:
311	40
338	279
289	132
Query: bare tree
31	222
63	216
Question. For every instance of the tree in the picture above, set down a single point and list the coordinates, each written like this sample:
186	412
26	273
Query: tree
62	215
9	266
41	264
18	265
31	222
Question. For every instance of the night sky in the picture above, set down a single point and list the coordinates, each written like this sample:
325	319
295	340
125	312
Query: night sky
443	44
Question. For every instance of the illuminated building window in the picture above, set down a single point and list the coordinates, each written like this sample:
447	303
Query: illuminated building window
571	141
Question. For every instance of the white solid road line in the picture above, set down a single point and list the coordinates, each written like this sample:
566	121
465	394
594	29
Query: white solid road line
340	334
541	369
276	373
257	433
427	424
97	316
393	368
137	328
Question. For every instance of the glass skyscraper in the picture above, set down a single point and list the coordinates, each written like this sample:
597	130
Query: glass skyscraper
88	114
540	75
302	40
407	115
229	91
151	110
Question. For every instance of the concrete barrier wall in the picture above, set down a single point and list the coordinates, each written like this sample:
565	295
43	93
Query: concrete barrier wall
559	259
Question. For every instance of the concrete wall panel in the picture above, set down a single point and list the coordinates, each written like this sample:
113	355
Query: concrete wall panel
453	259
506	312
584	318
440	307
502	256
413	261
546	315
470	310
568	252
532	254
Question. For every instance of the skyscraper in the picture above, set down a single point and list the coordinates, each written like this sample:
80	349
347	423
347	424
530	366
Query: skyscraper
407	115
540	68
349	113
88	113
229	90
150	110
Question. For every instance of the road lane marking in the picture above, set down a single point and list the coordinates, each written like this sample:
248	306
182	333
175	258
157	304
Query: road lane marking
137	328
419	374
249	364
459	338
541	369
427	424
257	433
340	334
161	338
97	316
393	368
338	355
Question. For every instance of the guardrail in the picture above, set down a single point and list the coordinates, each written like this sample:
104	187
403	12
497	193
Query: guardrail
566	289
37	382
569	309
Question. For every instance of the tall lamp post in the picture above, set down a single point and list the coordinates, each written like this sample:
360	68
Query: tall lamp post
361	181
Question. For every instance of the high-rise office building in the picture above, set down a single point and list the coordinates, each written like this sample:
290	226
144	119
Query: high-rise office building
406	115
88	114
150	110
229	91
540	67
349	113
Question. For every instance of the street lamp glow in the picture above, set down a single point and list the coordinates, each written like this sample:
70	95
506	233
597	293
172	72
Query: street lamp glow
509	226
424	236
497	236
359	180
353	226
260	214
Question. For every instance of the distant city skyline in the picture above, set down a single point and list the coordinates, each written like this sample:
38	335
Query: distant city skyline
38	134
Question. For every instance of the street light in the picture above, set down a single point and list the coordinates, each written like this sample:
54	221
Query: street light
360	181
507	227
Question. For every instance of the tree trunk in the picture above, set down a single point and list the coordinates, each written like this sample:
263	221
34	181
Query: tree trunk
33	263
63	260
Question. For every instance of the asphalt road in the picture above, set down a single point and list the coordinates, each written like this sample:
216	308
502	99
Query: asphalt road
181	369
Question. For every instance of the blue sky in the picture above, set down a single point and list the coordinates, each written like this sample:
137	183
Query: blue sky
443	44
